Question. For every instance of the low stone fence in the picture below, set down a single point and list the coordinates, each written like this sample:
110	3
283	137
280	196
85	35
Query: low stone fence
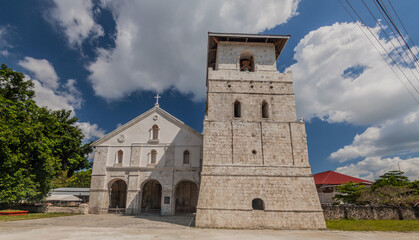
82	209
370	212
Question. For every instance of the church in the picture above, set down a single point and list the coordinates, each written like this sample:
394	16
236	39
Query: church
249	168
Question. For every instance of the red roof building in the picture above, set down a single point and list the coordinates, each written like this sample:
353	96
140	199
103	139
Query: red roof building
335	178
326	183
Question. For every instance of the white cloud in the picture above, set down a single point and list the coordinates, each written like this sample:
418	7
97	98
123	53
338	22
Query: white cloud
4	44
90	131
42	70
372	167
47	97
162	44
340	77
48	92
392	137
324	91
75	18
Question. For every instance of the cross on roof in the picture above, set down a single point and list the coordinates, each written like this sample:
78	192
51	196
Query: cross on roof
157	99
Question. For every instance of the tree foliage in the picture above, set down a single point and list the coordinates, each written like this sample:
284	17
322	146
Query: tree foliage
80	179
36	144
393	178
349	192
391	189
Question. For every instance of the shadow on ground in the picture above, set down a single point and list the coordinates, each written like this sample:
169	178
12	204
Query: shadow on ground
186	220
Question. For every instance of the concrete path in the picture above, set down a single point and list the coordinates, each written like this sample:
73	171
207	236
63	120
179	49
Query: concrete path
105	227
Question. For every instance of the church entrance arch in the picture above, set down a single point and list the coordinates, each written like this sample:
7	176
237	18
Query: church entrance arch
118	194
151	196
186	197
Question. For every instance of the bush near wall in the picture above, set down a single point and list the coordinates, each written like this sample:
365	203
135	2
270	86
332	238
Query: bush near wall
370	212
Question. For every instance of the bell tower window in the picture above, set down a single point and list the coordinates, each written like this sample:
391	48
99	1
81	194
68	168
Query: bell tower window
265	109
247	62
237	109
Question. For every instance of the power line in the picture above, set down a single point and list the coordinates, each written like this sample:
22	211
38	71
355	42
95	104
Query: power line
395	63
391	41
397	29
384	58
404	47
410	38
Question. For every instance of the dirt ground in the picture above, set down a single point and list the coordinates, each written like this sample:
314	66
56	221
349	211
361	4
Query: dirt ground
110	226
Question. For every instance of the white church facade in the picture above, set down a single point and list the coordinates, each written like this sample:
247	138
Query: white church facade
150	164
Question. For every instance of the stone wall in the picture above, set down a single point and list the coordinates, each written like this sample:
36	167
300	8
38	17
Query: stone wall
82	209
368	212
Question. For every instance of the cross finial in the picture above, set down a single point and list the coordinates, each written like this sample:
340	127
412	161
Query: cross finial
157	100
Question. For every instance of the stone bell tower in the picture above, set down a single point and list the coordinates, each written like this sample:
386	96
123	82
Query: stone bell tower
255	171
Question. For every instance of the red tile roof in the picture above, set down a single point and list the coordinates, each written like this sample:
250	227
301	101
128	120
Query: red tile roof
332	177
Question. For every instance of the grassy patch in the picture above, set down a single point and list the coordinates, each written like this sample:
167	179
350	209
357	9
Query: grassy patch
373	225
33	216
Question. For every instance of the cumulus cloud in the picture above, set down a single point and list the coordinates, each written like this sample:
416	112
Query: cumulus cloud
48	92
372	167
340	77
90	131
162	44
42	70
4	44
394	136
75	18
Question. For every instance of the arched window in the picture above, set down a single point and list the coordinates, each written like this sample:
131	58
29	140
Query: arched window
257	204
237	109
153	156
186	157
246	62
155	129
119	157
265	110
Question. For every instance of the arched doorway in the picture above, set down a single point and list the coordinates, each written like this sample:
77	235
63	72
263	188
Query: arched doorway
118	195
151	197
186	197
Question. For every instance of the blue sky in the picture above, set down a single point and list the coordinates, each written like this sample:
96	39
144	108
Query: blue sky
106	60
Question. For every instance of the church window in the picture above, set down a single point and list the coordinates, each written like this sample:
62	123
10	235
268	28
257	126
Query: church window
237	109
119	157
265	110
155	130
246	62
186	157
153	156
258	204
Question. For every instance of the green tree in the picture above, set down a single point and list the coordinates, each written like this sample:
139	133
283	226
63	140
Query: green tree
36	144
349	192
81	179
393	178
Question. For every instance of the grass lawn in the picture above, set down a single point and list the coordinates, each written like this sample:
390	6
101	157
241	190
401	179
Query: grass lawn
10	210
373	225
33	216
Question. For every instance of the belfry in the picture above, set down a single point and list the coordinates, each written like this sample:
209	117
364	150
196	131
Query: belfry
255	169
